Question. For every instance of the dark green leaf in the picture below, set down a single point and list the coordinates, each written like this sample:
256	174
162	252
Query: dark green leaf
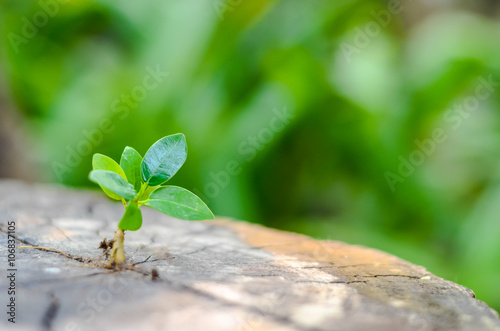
132	219
103	162
164	159
180	203
130	162
113	182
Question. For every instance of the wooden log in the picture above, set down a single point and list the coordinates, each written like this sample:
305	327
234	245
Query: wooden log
217	275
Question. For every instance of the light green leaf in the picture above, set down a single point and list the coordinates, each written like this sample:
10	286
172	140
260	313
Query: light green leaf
164	159
130	162
114	183
103	162
132	219
180	203
147	192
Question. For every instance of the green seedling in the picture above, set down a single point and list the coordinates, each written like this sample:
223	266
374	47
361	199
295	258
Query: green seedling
139	181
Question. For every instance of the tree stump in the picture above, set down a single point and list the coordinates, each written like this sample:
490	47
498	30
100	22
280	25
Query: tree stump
217	275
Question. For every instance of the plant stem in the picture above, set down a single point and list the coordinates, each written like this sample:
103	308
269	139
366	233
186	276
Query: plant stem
140	203
141	191
117	254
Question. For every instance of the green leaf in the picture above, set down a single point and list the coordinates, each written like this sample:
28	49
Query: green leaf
132	219
164	159
130	162
103	162
180	203
147	192
114	183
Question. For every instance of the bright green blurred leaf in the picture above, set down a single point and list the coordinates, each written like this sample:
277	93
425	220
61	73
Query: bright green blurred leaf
130	162
113	182
132	219
103	162
164	159
180	203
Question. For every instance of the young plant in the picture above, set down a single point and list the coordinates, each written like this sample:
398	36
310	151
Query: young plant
138	181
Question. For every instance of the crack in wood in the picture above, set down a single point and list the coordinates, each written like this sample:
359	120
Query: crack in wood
50	313
83	260
282	320
200	249
376	276
332	282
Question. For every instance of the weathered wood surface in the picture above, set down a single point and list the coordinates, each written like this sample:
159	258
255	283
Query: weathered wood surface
220	275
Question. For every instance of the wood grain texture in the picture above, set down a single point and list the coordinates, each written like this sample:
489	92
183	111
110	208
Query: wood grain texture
218	275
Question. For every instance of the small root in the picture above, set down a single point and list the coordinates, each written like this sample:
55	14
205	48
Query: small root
113	248
144	261
76	258
154	274
106	246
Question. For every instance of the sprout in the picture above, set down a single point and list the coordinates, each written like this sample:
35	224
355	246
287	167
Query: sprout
138	181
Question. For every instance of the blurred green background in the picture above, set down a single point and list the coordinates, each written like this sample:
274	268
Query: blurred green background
362	121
